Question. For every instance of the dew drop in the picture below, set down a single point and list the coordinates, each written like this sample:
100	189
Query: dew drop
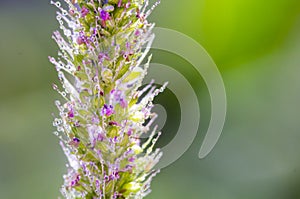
58	4
68	66
72	24
96	79
67	33
54	86
61	63
60	75
52	60
55	133
57	102
64	12
88	71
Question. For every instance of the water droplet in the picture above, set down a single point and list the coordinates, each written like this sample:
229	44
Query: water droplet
60	75
58	4
61	113
68	66
97	88
88	71
54	86
55	133
57	102
52	60
67	33
72	24
96	79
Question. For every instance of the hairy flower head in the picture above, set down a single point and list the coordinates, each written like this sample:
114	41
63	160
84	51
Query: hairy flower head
104	113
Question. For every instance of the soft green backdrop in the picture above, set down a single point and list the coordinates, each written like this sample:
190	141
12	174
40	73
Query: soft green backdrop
256	46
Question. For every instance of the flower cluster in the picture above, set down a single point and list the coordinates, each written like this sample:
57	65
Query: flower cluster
105	112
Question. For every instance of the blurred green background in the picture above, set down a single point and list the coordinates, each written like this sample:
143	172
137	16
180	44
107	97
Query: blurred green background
256	46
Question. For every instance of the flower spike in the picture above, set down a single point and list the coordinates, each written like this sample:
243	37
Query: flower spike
104	113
